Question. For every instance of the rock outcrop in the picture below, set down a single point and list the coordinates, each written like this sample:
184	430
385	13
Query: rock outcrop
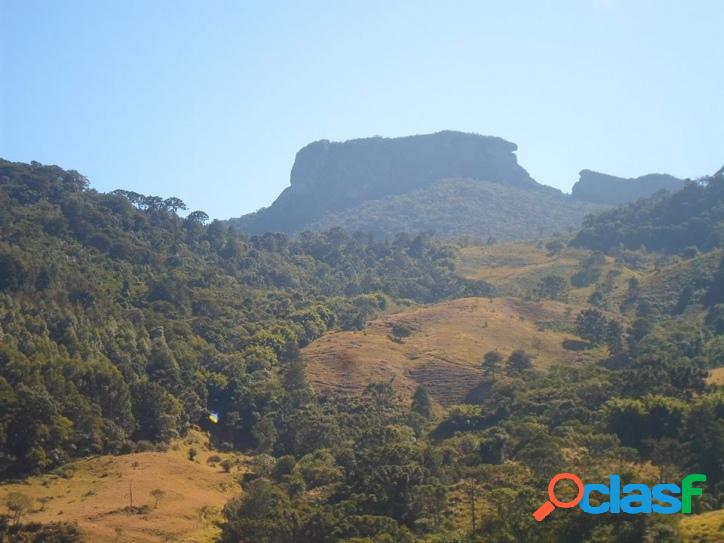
600	188
332	176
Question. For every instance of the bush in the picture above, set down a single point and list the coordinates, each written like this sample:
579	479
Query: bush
213	459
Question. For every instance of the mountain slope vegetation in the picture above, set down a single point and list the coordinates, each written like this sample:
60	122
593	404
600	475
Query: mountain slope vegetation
146	496
692	217
465	207
124	323
330	176
451	183
360	377
439	346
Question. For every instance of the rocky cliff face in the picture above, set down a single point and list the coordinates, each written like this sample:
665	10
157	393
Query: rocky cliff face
601	188
331	176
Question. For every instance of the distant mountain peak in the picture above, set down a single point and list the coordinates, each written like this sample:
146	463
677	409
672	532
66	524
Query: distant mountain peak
331	176
601	188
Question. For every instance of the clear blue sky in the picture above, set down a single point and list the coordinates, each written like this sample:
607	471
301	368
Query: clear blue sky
210	100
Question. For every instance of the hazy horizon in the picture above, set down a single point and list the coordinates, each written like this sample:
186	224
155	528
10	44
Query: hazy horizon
211	103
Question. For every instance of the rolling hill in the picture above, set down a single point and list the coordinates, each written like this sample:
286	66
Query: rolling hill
95	493
444	348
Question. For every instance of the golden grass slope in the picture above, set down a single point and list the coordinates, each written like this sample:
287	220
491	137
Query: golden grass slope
716	377
704	528
516	269
505	262
449	339
445	348
95	492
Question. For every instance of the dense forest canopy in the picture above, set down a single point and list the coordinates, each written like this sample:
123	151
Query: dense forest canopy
123	325
692	217
453	208
122	321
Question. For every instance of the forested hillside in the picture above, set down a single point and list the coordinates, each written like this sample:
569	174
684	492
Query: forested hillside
124	326
690	218
464	207
122	322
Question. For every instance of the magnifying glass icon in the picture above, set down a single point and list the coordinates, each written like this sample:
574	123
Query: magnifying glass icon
547	508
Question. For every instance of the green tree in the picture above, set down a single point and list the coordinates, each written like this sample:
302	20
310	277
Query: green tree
519	361
592	326
492	361
421	402
156	411
162	365
265	434
174	204
614	337
553	287
199	217
263	514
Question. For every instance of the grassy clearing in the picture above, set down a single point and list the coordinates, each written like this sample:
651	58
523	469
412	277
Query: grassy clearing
664	285
506	263
516	268
704	528
716	377
95	493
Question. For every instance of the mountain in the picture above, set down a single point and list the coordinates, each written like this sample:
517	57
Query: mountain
393	180
601	188
690	218
464	207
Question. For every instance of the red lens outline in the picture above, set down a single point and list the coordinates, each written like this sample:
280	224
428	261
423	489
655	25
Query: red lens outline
548	507
552	490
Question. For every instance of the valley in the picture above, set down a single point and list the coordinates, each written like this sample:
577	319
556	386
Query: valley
336	387
361	272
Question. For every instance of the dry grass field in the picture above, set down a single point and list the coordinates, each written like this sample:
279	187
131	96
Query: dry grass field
516	268
703	528
95	492
716	377
445	346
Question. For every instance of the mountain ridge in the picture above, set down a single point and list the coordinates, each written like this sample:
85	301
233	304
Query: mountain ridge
392	185
602	188
330	176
